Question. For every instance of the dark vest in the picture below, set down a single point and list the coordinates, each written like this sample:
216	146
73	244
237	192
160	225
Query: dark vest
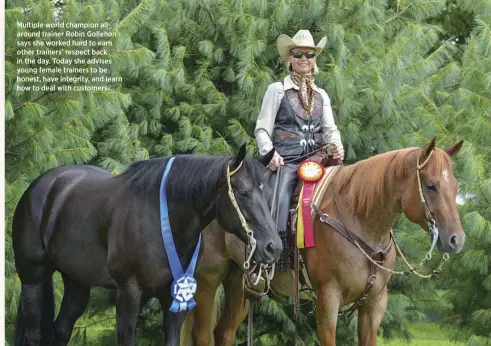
296	133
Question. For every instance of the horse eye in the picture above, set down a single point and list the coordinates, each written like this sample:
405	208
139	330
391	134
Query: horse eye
244	193
431	186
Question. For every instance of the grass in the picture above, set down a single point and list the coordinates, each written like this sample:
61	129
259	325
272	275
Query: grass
427	334
423	334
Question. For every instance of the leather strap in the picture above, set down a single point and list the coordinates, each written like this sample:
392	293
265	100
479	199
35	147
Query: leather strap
250	332
349	234
371	279
378	256
296	297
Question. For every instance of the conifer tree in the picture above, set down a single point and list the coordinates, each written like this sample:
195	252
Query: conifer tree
465	113
46	129
193	77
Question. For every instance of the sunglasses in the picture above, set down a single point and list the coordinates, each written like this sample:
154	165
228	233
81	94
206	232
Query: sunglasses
299	55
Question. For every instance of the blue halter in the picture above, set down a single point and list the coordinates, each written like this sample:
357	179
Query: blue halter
184	286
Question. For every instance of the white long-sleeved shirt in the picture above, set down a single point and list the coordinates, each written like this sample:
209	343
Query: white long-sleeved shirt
269	109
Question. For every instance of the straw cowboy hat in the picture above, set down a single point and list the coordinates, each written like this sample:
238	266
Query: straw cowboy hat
303	38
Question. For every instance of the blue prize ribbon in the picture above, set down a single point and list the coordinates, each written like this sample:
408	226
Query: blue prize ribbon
184	286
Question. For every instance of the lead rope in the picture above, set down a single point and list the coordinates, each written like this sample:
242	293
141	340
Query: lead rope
250	331
411	268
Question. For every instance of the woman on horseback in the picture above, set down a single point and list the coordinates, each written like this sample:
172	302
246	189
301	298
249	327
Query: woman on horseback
296	119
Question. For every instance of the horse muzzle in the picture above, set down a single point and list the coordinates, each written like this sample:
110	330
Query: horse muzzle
452	242
268	253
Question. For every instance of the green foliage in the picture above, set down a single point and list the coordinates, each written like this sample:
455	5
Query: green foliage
428	334
194	74
46	129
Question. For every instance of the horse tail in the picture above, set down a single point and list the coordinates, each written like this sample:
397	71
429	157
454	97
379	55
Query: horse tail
19	328
48	313
47	317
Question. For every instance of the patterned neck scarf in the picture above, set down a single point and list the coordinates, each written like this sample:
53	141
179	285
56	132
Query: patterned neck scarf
306	85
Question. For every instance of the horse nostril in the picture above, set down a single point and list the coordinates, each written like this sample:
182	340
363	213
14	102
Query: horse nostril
453	241
456	242
273	251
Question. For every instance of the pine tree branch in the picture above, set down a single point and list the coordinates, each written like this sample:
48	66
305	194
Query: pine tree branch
25	140
426	300
473	93
267	331
34	100
416	239
399	14
94	323
30	137
67	150
482	194
7	202
10	91
212	19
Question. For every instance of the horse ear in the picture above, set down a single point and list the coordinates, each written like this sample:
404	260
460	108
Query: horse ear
266	158
240	156
453	150
428	148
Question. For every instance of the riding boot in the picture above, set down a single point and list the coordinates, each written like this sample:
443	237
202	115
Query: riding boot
281	206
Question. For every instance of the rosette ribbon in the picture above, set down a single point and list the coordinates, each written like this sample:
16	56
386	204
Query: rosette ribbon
310	172
184	285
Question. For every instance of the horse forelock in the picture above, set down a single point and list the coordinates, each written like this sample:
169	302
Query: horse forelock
440	162
255	170
366	181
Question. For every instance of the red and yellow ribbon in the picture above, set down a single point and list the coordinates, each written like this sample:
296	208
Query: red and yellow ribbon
310	172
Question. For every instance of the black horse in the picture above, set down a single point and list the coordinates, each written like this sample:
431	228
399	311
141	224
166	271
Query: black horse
98	229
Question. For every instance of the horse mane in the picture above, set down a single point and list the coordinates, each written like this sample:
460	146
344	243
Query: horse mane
368	180
193	178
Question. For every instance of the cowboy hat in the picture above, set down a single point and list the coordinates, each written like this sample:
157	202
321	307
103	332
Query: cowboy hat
303	38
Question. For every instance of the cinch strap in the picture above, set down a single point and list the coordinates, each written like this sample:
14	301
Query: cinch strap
184	286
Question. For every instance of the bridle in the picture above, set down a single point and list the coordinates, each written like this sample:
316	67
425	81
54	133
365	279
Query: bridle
252	277
372	257
432	229
245	226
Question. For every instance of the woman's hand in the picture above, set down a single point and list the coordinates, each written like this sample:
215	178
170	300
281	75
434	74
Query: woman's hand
337	153
275	162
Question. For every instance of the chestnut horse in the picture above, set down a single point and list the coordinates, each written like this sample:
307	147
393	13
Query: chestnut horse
371	195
